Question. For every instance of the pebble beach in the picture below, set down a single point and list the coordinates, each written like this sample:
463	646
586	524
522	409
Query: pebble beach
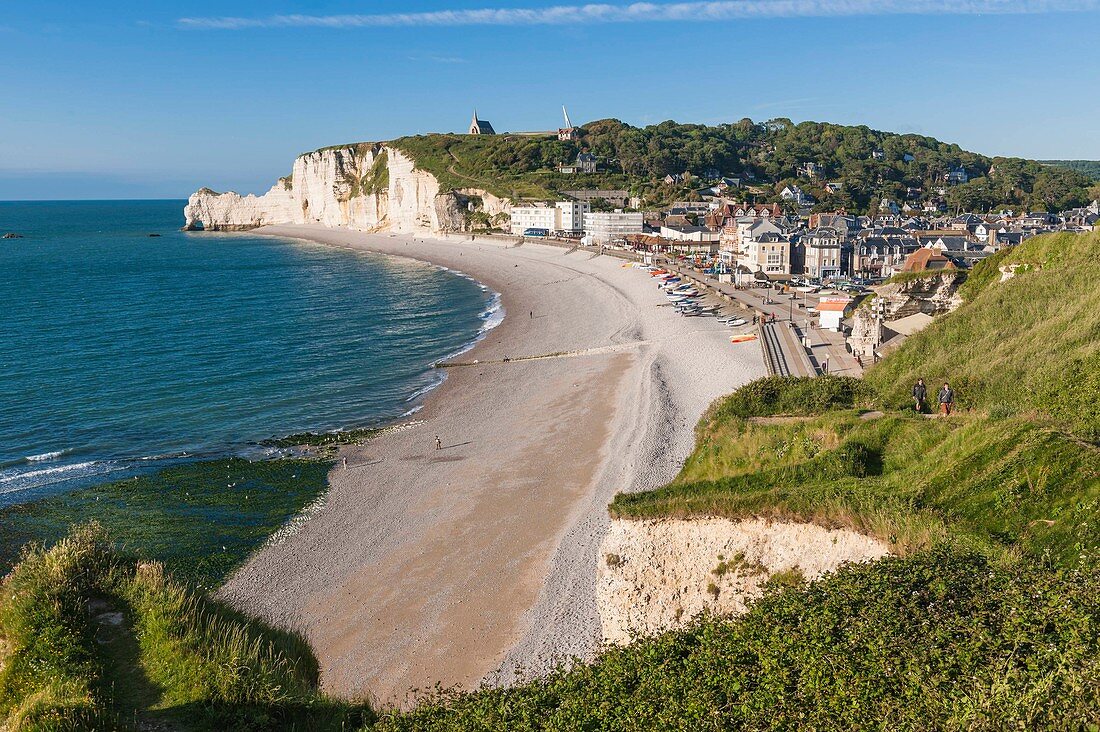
473	560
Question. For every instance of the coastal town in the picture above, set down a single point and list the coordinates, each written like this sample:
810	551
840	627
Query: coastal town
809	269
747	230
777	255
778	242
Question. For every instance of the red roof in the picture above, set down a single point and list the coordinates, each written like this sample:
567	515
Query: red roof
833	305
925	259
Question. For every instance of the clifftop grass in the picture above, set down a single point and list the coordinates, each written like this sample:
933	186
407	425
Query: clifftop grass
1029	345
92	641
1005	487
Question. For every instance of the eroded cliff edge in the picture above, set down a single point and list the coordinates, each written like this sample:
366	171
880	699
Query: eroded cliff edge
362	186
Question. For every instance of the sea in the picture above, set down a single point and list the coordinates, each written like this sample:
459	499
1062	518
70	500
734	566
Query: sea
127	345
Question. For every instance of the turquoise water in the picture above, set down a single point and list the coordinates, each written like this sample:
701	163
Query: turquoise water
121	352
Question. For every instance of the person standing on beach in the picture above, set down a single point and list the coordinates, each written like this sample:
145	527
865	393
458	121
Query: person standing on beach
345	463
920	395
947	400
438	443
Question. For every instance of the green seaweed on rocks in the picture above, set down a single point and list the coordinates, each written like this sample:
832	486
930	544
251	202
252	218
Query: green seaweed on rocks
325	439
200	519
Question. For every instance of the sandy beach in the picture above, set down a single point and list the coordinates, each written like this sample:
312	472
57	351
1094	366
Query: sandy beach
458	566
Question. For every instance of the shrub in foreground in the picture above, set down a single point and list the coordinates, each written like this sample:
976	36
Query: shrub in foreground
936	641
90	640
794	395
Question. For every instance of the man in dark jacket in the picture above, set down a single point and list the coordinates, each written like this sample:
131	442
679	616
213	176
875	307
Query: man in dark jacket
920	395
947	400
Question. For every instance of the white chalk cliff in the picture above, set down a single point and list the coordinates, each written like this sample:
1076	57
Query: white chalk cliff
363	186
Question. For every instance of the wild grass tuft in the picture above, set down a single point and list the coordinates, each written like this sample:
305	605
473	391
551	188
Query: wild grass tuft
94	641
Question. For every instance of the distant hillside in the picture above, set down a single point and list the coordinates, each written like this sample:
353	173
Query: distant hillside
1090	168
868	164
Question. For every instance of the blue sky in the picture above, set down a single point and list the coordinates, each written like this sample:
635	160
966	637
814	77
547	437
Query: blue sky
134	100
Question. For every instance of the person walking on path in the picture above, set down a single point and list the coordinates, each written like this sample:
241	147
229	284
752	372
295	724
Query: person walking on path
345	463
438	443
947	400
920	395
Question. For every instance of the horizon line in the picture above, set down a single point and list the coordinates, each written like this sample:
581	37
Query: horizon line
646	12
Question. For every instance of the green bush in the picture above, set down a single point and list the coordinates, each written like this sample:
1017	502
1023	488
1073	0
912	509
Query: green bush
938	641
792	395
50	675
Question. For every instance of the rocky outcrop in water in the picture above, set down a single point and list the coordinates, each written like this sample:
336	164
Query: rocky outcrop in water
364	186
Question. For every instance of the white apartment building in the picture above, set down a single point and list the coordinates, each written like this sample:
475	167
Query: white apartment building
769	252
571	216
601	228
824	254
534	217
565	216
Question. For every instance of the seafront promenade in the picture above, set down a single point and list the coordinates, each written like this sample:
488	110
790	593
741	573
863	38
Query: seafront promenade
791	347
791	329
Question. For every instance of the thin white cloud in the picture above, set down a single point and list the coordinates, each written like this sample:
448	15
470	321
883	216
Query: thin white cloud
639	12
439	59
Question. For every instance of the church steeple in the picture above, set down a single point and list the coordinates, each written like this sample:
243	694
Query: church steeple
569	132
480	126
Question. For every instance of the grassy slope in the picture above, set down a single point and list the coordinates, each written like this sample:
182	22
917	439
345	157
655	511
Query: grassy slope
1000	486
1031	344
92	641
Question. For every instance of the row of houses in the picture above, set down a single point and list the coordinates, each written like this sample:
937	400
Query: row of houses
762	240
758	241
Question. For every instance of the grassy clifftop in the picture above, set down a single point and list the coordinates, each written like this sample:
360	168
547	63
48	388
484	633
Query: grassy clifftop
944	640
1016	472
1030	344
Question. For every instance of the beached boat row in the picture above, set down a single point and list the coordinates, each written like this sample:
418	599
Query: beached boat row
688	301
